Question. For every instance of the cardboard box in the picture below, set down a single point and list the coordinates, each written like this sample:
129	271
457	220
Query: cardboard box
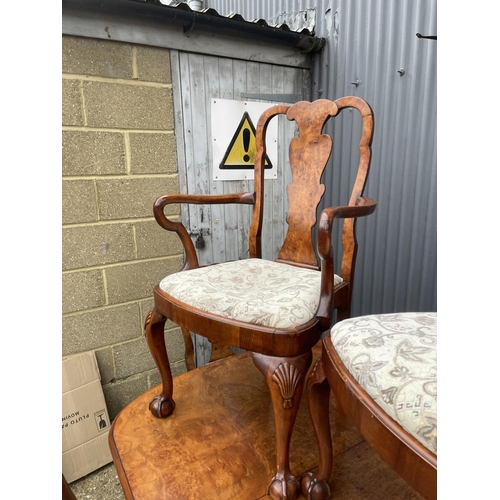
85	419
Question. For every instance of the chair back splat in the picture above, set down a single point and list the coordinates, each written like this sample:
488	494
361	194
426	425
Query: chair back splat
278	309
308	154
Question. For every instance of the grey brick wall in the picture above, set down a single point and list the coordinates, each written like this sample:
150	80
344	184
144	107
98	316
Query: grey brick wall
118	156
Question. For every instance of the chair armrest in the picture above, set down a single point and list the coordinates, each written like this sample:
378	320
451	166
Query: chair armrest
364	206
191	261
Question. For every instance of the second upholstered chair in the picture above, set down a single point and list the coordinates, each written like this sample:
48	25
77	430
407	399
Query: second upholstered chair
382	369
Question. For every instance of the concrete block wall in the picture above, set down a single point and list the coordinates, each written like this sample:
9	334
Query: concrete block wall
118	156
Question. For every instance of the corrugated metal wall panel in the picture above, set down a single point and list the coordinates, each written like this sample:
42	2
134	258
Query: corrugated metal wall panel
369	41
397	260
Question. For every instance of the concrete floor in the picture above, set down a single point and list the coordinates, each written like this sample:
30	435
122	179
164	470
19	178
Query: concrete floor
102	484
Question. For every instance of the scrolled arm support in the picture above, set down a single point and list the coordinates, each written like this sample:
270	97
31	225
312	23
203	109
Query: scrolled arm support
364	206
179	228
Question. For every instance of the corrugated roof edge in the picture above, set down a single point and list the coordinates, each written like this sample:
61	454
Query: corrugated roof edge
236	17
235	24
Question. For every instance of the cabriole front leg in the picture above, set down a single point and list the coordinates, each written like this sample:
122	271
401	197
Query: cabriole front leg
163	404
285	377
315	486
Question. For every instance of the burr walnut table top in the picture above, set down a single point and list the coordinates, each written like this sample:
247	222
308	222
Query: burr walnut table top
220	443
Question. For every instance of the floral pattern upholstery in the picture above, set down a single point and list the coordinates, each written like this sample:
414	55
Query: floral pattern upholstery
254	291
394	358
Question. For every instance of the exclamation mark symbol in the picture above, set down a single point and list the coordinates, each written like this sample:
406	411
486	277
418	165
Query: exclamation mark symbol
246	144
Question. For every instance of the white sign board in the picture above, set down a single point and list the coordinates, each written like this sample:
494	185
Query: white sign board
233	140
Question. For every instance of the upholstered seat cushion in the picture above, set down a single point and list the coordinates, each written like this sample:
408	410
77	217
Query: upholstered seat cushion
394	358
254	291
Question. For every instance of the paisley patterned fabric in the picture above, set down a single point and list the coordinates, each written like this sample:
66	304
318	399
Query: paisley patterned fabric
254	291
394	358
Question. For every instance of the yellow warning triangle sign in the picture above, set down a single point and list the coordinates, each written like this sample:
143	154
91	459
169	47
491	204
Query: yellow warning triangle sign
241	151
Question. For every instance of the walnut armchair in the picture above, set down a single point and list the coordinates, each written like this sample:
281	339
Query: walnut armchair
275	309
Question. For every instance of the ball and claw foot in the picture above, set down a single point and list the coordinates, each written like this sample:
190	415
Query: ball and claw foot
283	488
313	489
161	407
